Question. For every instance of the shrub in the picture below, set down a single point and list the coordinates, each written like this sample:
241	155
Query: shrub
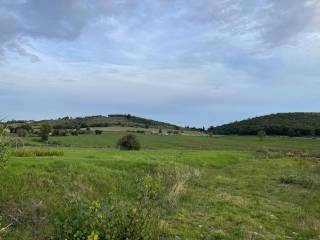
74	133
111	219
4	156
98	132
4	152
261	134
21	132
129	142
44	131
59	132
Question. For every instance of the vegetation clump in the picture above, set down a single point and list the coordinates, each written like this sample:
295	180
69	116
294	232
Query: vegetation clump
129	142
4	156
44	131
262	134
297	180
112	219
37	152
98	132
4	152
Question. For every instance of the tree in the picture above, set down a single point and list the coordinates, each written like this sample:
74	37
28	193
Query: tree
129	142
261	134
44	131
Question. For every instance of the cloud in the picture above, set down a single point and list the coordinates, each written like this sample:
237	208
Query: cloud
194	55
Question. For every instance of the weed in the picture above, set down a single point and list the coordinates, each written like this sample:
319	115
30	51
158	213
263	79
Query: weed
297	180
40	152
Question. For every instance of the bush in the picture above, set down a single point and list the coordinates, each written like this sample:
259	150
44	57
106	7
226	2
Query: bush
129	142
261	134
111	219
44	131
21	132
74	133
59	132
4	152
98	132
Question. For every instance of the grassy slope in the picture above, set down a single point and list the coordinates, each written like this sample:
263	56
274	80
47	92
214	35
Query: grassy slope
237	196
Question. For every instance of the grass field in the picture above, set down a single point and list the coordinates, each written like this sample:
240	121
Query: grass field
219	187
109	139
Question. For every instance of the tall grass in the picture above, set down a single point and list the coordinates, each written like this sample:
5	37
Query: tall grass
37	152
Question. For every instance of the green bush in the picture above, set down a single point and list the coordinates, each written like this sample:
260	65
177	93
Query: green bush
4	154
44	131
111	220
129	142
98	132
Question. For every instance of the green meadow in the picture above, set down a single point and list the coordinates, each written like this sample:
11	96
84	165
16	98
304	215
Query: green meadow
227	187
149	141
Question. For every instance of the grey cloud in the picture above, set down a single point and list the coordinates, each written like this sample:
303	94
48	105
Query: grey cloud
273	22
62	20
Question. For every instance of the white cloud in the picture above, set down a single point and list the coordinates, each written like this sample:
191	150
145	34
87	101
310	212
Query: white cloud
209	55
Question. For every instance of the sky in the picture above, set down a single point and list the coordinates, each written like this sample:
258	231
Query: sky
188	62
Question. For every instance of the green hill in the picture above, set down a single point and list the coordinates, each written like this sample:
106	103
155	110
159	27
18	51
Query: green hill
286	124
97	121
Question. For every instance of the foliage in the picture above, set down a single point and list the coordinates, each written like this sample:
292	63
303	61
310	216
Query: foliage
59	132
111	219
261	134
4	152
98	132
37	152
285	124
44	131
4	156
21	132
95	121
129	142
297	180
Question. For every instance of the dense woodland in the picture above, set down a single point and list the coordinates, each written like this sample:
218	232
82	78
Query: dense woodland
283	124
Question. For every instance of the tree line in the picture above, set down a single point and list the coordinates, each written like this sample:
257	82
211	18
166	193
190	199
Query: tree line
282	124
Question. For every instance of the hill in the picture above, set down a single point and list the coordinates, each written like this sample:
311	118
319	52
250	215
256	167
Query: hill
123	120
285	124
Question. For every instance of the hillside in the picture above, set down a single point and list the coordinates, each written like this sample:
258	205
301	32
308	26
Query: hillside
285	124
97	121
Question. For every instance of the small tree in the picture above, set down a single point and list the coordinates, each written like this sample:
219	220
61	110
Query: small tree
261	134
129	142
44	131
